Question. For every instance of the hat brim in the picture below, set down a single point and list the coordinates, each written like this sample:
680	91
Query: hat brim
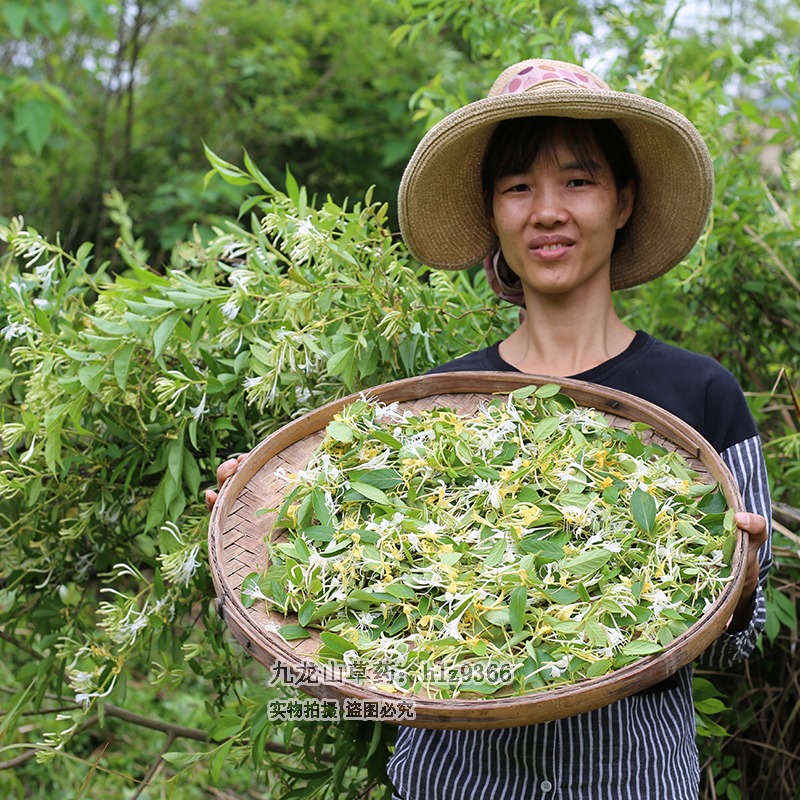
441	207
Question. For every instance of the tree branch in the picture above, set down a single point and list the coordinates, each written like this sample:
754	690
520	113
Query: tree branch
154	767
25	649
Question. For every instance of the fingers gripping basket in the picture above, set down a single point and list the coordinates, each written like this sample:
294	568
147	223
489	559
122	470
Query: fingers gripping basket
237	547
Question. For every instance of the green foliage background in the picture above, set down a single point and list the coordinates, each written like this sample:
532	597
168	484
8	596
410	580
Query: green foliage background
153	323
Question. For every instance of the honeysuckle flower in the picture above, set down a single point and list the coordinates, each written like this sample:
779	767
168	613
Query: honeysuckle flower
253	381
230	309
199	411
14	330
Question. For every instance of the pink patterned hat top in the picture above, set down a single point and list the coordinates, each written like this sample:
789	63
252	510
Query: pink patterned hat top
535	72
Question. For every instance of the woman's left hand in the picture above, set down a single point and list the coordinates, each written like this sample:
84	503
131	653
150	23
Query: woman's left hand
756	527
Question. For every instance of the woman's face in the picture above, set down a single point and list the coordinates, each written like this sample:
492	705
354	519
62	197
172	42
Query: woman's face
557	221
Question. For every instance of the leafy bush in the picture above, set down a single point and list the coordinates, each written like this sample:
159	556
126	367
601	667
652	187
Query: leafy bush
122	395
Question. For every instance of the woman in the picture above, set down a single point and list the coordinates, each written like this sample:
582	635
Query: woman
568	190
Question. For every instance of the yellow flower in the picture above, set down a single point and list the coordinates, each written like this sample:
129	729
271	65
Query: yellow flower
600	458
606	482
564	613
530	515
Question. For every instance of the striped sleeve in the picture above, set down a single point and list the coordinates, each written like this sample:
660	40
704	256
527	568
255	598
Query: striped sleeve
746	462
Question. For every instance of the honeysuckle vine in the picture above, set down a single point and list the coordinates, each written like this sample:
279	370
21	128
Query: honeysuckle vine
531	540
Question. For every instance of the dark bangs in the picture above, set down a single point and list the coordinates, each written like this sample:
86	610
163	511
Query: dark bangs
517	143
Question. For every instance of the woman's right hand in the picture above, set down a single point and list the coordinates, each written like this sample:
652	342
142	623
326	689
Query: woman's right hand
224	471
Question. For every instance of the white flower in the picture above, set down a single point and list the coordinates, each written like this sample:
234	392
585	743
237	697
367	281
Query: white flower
502	431
230	309
240	278
389	412
235	249
365	621
130	626
615	636
17	285
254	591
450	629
431	527
495	498
14	330
199	411
44	272
559	667
251	383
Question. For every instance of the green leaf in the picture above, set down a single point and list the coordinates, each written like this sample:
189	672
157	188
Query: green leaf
589	562
321	509
750	110
218	759
711	705
259	176
252	581
598	668
164	331
101	344
495	554
340	431
611	495
401	591
380	478
546	428
57	16
228	172
306	612
340	361
387	439
109	327
641	647
548	390
91	376
370	492
182	759
12	716
34	118
336	643
292	188
643	508
52	447
293	632
728	547
525	392
516	608
15	15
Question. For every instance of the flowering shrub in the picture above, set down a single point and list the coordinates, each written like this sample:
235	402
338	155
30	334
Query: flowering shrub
123	392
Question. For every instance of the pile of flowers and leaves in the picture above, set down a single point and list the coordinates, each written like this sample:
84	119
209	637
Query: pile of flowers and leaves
532	539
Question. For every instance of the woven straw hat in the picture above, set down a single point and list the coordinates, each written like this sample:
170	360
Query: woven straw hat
441	207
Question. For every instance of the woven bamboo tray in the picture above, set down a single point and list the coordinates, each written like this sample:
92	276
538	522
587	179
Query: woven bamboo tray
237	548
